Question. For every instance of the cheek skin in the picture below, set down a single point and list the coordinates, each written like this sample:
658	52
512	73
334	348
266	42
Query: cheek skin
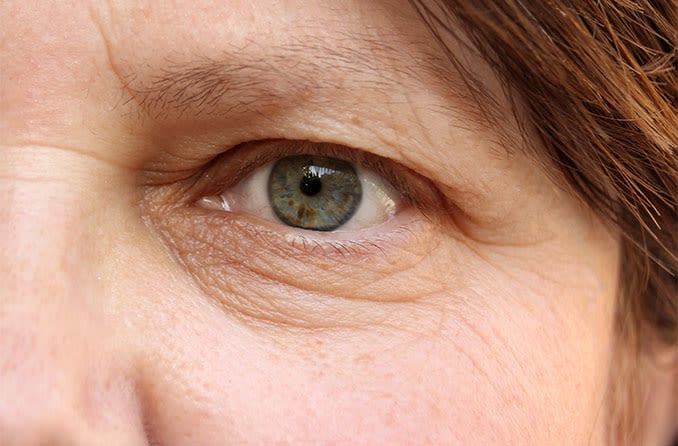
513	355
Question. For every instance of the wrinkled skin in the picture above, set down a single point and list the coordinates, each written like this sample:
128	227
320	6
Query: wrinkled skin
482	314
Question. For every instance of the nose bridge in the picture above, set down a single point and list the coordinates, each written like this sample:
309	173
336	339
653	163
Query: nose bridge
42	322
43	242
53	344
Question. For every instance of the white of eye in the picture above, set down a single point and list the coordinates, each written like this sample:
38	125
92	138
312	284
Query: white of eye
380	201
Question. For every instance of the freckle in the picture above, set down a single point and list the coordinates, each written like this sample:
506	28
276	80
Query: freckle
346	197
356	121
300	211
290	203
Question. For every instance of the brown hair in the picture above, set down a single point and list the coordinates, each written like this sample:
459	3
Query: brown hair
599	82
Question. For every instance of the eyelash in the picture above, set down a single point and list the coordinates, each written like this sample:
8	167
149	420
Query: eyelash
237	163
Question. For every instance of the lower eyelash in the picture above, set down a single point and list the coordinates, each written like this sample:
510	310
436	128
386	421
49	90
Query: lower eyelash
345	248
294	243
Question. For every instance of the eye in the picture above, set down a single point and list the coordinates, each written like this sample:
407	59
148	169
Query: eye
313	192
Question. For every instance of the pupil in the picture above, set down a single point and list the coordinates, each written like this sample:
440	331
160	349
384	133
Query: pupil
310	184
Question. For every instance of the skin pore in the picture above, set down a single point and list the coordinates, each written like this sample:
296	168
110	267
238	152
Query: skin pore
481	313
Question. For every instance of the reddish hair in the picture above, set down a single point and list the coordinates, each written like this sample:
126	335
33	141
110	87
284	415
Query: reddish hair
599	83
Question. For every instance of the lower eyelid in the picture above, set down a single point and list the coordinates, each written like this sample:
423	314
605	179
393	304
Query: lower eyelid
289	242
221	250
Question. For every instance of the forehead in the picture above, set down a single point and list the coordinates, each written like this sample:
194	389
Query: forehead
371	66
158	32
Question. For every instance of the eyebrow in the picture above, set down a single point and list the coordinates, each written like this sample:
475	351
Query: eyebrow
304	69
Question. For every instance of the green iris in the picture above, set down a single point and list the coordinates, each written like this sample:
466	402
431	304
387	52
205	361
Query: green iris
314	192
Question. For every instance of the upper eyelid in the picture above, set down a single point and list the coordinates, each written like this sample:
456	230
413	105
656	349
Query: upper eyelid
237	163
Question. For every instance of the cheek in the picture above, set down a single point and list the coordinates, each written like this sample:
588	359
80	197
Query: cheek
504	373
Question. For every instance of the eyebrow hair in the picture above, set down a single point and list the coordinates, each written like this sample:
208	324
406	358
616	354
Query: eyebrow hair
304	69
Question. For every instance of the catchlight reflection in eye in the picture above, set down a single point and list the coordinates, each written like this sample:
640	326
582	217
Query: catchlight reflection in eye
312	192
